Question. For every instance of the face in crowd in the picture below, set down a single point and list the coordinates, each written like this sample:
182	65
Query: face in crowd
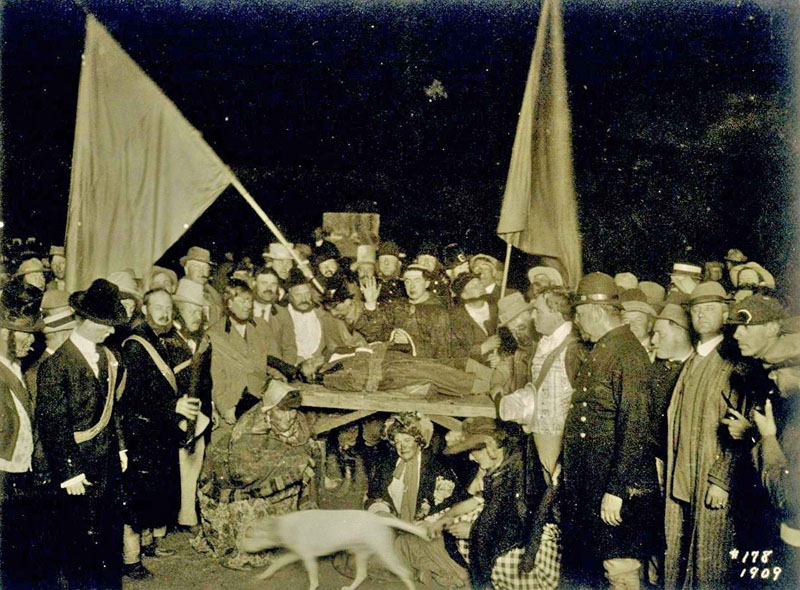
191	314
472	290
162	281
485	270
521	328
416	284
640	323
406	446
58	264
301	297
36	279
197	271
240	305
282	267
328	268
388	266
755	339
545	320
267	288
159	311
708	318
668	339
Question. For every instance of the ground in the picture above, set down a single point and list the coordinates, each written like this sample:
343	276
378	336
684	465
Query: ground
191	570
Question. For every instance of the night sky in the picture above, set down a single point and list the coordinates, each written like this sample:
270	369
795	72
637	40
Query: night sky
684	117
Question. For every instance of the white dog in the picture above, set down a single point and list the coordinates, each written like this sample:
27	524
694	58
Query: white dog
309	534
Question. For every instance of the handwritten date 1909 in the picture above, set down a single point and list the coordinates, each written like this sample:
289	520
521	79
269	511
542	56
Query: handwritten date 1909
767	573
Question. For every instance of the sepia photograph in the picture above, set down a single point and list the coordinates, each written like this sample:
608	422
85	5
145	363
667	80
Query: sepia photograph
400	294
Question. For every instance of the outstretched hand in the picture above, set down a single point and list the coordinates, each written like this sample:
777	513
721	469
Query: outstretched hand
371	289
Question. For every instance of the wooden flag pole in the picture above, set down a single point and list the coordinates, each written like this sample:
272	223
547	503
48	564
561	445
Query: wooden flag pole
303	265
505	271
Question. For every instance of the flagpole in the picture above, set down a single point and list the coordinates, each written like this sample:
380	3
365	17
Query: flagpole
505	270
303	265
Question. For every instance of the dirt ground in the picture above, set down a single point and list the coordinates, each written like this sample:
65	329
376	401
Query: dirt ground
192	571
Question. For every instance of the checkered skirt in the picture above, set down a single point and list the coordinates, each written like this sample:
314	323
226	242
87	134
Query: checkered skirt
546	569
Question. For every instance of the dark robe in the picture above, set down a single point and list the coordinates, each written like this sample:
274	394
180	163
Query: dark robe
607	443
88	528
152	481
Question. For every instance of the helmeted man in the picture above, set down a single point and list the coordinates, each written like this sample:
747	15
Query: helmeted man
189	351
151	411
19	320
700	454
606	524
82	440
197	267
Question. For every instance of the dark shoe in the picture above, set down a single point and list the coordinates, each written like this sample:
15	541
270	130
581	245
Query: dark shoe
136	571
153	550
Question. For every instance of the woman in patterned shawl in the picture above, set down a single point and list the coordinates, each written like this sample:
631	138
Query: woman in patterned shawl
263	467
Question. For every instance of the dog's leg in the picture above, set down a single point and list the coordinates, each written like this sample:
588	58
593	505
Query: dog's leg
361	570
393	563
280	562
313	572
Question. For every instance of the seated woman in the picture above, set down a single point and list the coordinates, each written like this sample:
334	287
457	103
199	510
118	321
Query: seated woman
263	467
505	533
411	484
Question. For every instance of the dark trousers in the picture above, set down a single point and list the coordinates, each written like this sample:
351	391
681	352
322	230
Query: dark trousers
89	529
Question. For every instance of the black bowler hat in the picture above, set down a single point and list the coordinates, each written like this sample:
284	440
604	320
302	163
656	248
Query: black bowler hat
100	303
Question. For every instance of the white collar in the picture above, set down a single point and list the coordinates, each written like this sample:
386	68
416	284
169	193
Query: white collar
682	359
705	348
558	335
490	289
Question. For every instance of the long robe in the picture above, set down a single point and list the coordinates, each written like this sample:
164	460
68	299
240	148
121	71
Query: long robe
698	538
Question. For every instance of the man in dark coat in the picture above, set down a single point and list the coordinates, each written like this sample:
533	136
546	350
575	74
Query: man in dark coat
606	442
152	412
473	321
82	441
189	351
19	319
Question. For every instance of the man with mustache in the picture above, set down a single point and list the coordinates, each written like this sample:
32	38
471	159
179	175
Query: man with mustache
266	294
152	410
197	267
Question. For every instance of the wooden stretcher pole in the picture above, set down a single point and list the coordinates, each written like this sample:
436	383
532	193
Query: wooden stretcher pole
303	265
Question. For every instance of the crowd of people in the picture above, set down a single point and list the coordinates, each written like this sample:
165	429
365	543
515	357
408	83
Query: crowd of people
646	435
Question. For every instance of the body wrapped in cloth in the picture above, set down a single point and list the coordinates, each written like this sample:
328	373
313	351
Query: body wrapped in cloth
378	367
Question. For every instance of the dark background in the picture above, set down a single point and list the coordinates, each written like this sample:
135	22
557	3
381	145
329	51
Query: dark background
684	120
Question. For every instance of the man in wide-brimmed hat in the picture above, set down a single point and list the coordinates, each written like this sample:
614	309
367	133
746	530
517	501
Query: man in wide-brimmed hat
639	315
190	352
280	258
608	526
700	454
490	270
79	428
19	320
32	272
197	267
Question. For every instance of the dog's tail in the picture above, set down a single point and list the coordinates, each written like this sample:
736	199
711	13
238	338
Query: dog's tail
408	527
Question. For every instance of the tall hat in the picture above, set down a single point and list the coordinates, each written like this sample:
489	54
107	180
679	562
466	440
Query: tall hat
365	254
189	292
756	309
196	253
708	292
19	306
453	255
100	303
597	287
58	315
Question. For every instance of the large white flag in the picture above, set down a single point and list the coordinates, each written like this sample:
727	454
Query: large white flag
141	174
